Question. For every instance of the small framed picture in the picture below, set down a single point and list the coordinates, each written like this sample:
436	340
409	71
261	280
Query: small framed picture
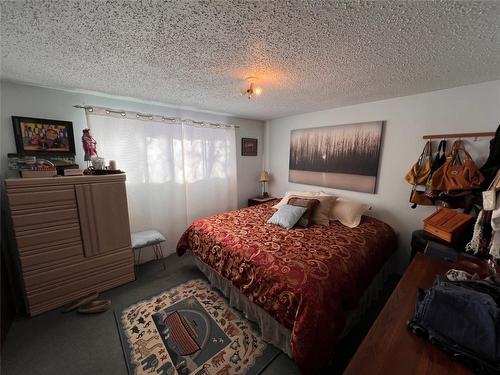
248	146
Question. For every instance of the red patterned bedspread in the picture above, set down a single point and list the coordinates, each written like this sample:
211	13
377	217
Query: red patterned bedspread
307	279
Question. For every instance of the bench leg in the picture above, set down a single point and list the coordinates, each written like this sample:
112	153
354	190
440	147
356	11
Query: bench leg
139	251
159	254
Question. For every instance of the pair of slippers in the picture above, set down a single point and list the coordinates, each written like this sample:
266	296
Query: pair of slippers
88	305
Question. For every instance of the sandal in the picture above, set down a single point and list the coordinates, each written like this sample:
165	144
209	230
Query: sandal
79	302
95	307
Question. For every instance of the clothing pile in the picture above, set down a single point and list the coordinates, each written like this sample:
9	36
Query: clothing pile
460	314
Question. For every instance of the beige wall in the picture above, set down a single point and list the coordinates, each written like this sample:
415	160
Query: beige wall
33	101
464	109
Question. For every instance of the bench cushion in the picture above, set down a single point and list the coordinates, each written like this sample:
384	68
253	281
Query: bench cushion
146	238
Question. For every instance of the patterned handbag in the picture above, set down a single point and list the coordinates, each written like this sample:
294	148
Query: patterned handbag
489	196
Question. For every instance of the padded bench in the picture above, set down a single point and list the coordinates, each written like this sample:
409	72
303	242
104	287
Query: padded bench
148	238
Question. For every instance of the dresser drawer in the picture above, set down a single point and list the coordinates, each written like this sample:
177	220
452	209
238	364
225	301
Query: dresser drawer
85	268
41	198
40	238
34	219
51	256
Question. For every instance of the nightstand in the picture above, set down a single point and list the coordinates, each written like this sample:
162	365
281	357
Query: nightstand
257	200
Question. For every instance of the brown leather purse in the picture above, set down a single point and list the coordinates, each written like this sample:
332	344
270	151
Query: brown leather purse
419	198
421	170
456	174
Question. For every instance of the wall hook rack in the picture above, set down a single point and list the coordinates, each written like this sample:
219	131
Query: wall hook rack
459	135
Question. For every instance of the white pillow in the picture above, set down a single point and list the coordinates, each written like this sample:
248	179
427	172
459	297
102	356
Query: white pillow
323	194
289	194
348	212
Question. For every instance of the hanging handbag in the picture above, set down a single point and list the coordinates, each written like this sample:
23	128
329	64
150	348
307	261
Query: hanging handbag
420	171
457	175
492	164
439	160
440	157
489	196
419	198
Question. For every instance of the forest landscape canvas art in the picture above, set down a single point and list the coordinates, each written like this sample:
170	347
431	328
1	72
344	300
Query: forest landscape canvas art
342	157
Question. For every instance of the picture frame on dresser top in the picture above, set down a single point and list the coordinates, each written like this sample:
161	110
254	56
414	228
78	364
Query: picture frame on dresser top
43	137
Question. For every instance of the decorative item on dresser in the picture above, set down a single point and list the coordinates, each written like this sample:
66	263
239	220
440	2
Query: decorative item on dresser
390	348
258	200
72	236
36	136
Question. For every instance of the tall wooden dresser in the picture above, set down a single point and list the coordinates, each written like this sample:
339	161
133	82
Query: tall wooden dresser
72	236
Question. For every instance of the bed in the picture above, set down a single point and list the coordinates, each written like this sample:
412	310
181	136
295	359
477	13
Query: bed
298	284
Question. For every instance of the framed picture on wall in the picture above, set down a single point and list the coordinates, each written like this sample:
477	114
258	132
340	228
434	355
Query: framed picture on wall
248	146
36	136
341	157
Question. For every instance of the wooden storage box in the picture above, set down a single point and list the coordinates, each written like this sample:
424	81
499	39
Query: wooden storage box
447	224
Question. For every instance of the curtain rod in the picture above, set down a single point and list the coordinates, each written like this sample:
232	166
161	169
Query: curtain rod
90	108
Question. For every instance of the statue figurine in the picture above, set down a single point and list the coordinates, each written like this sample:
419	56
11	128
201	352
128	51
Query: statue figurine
88	144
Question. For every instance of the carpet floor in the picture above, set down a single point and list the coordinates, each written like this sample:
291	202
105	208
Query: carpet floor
74	344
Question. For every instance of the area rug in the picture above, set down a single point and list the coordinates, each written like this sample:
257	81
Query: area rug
190	329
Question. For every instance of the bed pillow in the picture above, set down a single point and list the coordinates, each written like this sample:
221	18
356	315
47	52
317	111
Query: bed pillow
348	212
321	214
289	194
310	204
287	216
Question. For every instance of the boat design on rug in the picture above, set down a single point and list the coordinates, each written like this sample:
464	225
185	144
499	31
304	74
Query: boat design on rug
183	333
190	329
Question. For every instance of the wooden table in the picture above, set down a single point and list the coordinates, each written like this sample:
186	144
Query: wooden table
390	348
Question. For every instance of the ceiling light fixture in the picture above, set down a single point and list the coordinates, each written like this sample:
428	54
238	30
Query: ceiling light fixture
252	90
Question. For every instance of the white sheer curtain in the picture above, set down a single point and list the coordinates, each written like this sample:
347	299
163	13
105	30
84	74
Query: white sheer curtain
176	172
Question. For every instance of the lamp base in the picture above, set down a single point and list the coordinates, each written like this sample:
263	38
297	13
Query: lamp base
264	195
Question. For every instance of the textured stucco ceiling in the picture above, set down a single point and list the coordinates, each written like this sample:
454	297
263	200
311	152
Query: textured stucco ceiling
309	55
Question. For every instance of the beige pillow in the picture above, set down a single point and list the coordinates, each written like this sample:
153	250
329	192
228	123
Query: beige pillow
289	194
323	194
348	212
321	215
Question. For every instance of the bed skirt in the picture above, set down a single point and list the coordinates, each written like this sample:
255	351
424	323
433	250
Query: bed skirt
271	330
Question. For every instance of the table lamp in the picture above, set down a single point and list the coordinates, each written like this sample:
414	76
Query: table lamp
263	178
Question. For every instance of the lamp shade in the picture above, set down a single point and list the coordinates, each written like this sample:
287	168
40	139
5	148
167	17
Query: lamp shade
264	176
